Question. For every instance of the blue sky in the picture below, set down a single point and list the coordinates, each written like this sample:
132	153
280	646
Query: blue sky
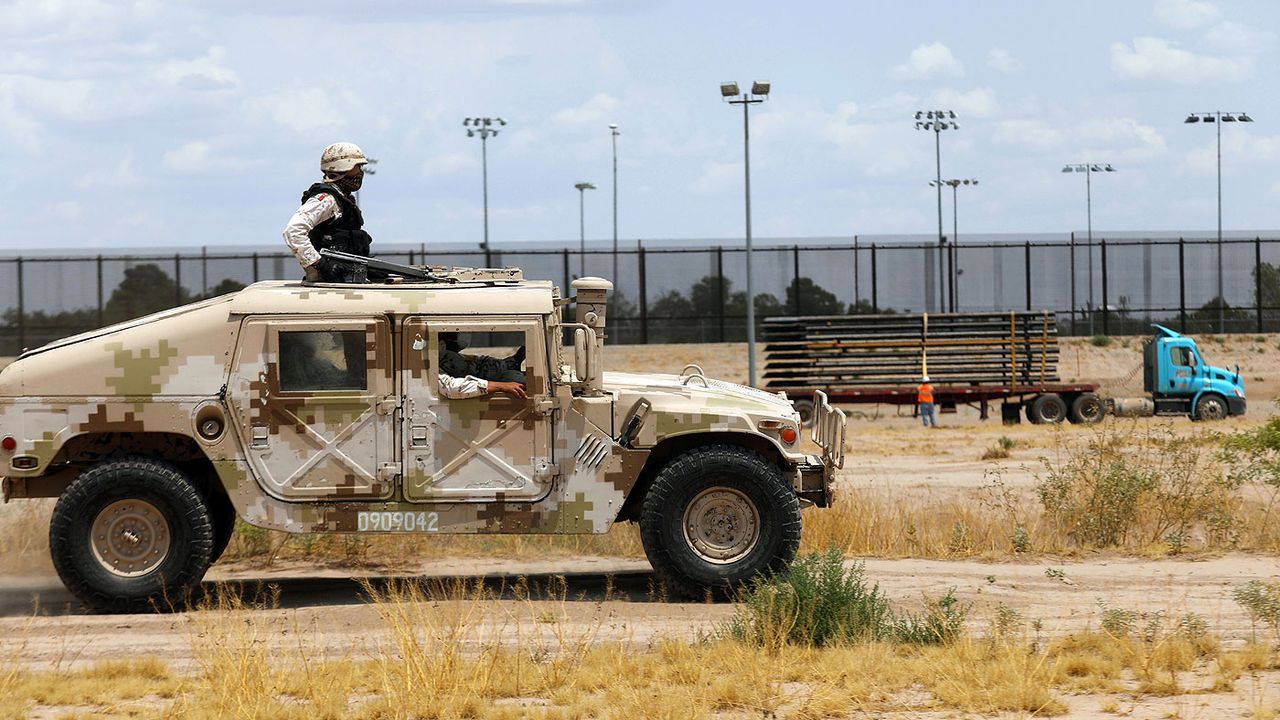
170	124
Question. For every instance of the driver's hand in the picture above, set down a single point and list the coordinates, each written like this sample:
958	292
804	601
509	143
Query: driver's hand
510	388
312	272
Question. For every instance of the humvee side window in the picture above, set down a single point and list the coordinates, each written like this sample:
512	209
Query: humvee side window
322	360
486	355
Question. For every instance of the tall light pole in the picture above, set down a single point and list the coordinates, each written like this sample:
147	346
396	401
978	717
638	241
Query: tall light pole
613	132
759	93
1088	169
937	121
582	187
484	128
955	184
1217	117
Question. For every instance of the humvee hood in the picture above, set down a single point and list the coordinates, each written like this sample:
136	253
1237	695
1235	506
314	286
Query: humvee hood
180	352
717	394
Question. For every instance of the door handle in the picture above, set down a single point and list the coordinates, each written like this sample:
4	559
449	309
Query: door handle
258	436
387	405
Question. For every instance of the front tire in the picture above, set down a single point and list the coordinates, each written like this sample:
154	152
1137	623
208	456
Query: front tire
717	516
1210	407
1088	409
129	534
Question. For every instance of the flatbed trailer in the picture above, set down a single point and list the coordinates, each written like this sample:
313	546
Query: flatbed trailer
972	358
948	397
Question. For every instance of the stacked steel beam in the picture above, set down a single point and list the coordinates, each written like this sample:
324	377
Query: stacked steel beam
999	348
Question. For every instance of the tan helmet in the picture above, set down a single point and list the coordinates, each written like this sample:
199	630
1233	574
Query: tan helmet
339	158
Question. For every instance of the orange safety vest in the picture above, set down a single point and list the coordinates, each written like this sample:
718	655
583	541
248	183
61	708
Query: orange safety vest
924	393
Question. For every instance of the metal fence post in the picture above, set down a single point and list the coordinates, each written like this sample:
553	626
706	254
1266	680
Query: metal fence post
720	289
1257	278
177	279
22	312
204	270
1026	269
101	322
856	294
1073	282
644	299
795	280
255	267
1182	285
875	296
1106	308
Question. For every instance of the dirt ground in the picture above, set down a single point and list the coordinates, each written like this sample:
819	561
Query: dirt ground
40	625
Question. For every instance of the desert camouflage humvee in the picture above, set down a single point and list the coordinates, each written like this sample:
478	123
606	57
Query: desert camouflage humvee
317	408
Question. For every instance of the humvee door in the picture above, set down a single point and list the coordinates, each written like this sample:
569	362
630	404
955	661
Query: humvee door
313	403
481	449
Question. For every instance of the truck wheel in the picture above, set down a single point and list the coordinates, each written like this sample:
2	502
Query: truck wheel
1047	408
1210	407
1088	409
129	533
804	406
223	514
717	516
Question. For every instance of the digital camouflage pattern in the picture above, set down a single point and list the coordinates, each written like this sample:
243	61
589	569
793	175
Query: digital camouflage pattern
350	433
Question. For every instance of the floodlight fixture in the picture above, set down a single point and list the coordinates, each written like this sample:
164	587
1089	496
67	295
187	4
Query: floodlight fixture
760	87
1244	117
729	89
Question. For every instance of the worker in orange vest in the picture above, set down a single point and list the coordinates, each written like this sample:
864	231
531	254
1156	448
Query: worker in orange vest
924	397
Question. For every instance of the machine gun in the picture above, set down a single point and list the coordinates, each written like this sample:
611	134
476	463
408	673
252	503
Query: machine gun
372	268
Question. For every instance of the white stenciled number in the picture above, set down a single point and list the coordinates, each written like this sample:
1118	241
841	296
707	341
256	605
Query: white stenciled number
392	521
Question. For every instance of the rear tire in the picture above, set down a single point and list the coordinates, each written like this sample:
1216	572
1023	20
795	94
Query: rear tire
804	406
1047	408
1087	409
717	516
129	534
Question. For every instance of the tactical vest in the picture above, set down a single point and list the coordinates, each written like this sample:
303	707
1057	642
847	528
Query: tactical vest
343	232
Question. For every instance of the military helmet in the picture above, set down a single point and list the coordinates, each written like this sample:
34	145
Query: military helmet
339	158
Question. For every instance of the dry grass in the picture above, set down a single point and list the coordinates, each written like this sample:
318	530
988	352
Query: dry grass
450	650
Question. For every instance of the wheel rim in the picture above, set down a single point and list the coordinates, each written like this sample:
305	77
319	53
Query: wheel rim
721	525
1051	412
1091	410
130	538
1212	410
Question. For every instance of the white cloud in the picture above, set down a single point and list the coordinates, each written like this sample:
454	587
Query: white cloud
1186	14
66	210
120	176
1123	138
717	176
999	59
206	72
1232	37
599	108
1157	60
979	102
309	112
448	164
928	61
191	157
1035	135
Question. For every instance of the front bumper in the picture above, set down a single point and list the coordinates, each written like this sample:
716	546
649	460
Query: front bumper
817	473
1235	406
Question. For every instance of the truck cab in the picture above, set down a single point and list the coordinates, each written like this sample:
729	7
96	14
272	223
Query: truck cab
1181	382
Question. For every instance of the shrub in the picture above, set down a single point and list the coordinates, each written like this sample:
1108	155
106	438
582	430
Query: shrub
820	602
1100	341
1121	486
1262	601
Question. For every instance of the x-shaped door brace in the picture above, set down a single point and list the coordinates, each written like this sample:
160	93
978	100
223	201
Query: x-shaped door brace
479	448
326	447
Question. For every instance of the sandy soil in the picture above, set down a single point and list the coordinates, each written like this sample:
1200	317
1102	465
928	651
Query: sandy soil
613	599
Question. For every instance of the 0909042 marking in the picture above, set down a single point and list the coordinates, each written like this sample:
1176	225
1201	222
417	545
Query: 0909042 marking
397	521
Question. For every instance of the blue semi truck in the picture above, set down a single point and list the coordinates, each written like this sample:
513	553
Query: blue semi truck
1179	382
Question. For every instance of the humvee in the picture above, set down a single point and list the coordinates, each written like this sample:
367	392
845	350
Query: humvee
317	408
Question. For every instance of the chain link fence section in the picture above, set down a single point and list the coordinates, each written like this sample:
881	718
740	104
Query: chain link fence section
697	293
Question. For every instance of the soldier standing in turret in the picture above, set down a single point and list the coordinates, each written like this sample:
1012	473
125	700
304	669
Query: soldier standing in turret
329	217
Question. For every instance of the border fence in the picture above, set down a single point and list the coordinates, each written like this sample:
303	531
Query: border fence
670	294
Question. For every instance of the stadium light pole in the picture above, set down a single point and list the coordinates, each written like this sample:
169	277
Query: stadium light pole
1217	117
484	128
582	187
955	184
937	121
1088	169
613	132
730	93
